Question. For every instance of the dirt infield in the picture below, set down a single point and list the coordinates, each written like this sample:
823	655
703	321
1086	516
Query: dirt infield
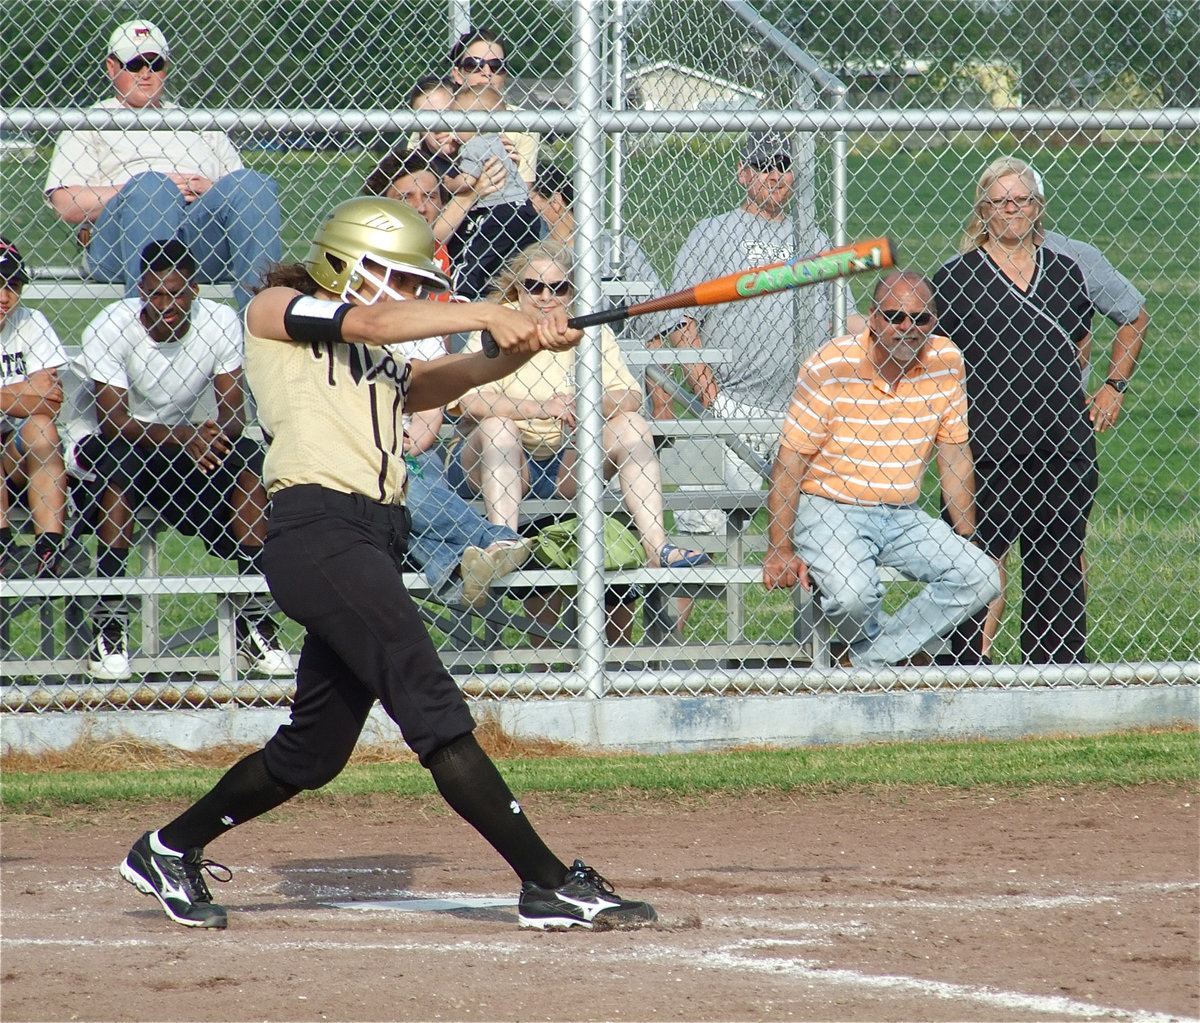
1049	905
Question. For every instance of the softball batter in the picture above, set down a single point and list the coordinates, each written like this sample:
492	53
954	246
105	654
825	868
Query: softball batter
331	394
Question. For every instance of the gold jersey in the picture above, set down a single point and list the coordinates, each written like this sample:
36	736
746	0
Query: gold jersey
333	415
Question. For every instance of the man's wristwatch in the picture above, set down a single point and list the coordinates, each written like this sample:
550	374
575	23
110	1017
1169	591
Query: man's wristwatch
1120	386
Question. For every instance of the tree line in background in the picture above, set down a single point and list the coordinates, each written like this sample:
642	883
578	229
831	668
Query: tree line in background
362	54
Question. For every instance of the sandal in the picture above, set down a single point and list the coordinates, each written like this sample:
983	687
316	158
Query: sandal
690	558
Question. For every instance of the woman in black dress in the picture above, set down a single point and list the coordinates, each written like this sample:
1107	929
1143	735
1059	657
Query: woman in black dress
1021	316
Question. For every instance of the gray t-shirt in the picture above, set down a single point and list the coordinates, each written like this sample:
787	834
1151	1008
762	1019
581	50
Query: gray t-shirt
1111	292
471	157
766	338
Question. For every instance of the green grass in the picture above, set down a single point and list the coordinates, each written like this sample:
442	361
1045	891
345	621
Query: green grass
1129	758
1136	202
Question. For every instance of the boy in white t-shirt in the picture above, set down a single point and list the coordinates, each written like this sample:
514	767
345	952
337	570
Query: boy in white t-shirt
30	398
153	362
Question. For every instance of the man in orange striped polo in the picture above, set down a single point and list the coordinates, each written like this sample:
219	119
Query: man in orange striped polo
866	415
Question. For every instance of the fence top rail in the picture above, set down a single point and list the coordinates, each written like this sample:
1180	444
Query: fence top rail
255	585
565	121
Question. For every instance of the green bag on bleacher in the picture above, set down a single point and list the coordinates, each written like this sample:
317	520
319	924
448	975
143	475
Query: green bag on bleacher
557	546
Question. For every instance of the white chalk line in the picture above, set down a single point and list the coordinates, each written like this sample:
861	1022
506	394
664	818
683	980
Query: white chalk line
728	957
106	878
1053	1005
735	957
423	905
1099	894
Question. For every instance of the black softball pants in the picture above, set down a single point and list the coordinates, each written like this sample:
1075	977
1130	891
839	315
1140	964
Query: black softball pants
333	562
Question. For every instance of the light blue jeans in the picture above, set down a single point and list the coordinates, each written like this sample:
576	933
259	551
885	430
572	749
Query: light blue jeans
845	545
443	525
232	230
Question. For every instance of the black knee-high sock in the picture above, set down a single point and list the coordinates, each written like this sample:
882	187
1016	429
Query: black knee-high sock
111	562
244	792
247	559
470	783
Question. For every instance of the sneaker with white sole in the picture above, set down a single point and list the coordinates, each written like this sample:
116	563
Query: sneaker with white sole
108	656
480	568
177	882
584	899
259	650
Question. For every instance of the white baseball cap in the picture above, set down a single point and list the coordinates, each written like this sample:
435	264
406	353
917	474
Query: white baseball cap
135	38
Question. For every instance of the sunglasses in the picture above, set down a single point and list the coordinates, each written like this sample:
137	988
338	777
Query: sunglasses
495	65
898	316
559	288
139	64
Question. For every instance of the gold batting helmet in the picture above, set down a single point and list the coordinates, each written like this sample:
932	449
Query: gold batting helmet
385	231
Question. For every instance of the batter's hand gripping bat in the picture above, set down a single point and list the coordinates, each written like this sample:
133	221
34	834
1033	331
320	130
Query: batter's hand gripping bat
861	257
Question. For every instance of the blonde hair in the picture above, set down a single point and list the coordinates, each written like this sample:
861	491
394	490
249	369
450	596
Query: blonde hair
1005	167
507	287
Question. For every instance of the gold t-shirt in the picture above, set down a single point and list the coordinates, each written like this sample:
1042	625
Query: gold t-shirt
548	374
333	414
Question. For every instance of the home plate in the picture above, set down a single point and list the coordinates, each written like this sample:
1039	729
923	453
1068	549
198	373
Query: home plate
423	905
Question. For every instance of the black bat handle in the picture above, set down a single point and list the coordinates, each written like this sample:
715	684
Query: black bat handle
613	315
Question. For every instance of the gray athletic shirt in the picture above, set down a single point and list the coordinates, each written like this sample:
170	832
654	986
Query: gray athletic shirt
471	158
766	338
1111	292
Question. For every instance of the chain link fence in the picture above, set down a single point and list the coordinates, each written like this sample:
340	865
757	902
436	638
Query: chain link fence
639	131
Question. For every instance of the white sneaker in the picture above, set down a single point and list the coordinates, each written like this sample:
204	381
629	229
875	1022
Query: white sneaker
480	568
108	658
259	651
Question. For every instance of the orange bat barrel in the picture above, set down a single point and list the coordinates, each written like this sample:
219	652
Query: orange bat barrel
862	257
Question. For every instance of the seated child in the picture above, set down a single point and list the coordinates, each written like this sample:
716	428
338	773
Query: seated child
499	224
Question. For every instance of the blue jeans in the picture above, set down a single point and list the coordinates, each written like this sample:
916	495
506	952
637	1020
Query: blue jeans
443	524
232	230
543	473
845	545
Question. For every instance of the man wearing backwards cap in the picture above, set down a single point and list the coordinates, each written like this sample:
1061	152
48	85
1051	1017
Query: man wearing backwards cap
127	187
30	398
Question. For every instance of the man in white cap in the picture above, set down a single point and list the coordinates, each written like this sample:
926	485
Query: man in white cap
124	188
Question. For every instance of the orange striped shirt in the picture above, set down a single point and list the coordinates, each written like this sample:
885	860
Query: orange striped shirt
869	443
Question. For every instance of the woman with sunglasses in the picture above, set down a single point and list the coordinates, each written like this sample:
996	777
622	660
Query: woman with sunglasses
478	60
519	438
1021	315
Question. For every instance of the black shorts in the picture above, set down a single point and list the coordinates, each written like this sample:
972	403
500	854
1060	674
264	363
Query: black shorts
169	481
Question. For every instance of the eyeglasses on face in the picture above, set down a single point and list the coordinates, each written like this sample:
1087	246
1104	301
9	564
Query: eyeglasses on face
496	65
1020	201
898	316
138	64
560	288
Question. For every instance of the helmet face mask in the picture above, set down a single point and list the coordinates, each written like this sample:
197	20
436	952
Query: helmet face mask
365	272
373	230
